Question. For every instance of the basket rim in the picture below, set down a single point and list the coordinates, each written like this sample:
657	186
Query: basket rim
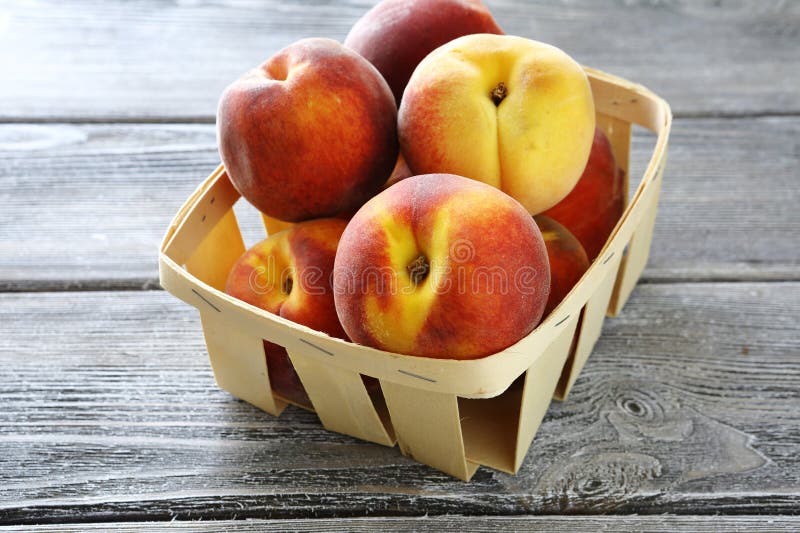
474	378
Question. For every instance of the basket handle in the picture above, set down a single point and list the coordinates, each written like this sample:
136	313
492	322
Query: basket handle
634	103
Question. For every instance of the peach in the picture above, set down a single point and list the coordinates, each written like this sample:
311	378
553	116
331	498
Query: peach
400	172
396	35
568	261
310	133
441	266
514	113
289	274
595	205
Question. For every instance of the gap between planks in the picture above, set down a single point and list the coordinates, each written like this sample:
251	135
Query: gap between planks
458	523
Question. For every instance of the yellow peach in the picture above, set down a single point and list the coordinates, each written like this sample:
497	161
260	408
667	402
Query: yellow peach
511	112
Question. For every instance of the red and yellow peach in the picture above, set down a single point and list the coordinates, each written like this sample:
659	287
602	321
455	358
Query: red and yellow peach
289	274
441	266
310	133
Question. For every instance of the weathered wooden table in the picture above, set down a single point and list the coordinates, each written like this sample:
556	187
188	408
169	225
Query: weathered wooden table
687	416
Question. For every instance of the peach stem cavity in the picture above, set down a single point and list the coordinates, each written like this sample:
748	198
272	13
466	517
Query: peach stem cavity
418	269
499	93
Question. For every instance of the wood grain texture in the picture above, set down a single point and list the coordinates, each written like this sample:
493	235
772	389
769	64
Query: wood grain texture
459	524
85	206
689	405
122	61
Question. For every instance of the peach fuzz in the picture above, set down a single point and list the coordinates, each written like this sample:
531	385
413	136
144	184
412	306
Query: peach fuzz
441	266
310	133
511	112
396	35
289	274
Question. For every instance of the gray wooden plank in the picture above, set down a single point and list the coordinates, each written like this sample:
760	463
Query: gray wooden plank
101	60
689	405
85	206
458	524
85	203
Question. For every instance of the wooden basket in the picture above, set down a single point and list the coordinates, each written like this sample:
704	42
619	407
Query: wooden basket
452	415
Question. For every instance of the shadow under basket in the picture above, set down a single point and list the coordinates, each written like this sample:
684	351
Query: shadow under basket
451	415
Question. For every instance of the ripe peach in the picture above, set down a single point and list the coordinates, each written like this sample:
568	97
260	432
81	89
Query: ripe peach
568	260
396	35
441	266
514	113
289	274
310	133
596	203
